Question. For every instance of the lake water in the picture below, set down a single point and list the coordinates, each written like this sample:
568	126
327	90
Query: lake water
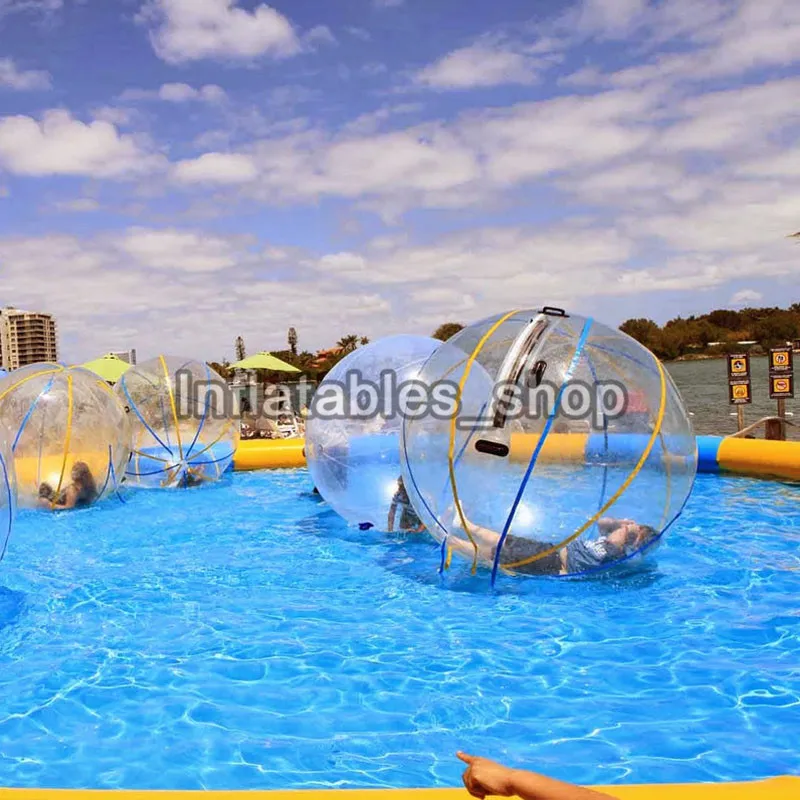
704	386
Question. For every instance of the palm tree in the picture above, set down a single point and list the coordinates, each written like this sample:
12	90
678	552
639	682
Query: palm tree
446	330
348	343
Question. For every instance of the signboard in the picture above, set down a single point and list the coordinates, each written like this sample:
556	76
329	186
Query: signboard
739	393
781	386
739	379
738	366
780	361
781	373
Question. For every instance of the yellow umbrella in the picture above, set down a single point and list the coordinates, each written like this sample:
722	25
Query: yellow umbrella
108	367
264	360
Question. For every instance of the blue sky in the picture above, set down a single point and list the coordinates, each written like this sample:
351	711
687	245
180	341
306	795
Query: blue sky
174	173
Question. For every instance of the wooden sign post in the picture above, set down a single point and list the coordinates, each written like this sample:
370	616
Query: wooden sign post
781	386
739	393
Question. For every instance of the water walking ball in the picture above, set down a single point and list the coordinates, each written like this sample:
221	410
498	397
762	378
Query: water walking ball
8	491
182	417
566	449
69	435
353	430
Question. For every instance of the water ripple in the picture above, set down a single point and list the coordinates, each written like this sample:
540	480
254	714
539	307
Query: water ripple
241	637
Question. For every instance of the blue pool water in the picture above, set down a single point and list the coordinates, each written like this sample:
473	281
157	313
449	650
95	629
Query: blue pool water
239	637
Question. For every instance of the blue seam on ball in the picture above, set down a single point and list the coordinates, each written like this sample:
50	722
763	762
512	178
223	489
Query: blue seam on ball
29	413
540	444
203	418
135	410
10	499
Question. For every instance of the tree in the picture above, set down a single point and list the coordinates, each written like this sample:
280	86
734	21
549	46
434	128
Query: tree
447	330
241	353
776	330
725	318
293	341
645	331
348	343
223	369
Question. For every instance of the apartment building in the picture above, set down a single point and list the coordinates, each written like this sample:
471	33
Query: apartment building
26	337
128	356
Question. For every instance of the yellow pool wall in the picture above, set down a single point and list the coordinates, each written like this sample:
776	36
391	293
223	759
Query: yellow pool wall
780	788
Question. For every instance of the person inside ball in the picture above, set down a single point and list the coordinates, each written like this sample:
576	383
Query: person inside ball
82	491
409	521
618	539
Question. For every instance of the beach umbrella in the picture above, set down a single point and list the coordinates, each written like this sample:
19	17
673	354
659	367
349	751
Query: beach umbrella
109	367
264	360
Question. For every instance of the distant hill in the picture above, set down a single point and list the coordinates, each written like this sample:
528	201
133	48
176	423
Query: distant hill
718	332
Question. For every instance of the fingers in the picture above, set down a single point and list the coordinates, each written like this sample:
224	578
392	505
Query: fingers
470	785
467	759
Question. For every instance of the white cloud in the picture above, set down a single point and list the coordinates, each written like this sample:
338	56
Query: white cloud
746	296
540	139
611	18
189	30
719	121
40	6
320	34
350	265
716	38
177	93
79	205
359	33
425	162
216	168
143	288
181	92
371	121
173	250
59	144
479	65
641	149
115	115
22	80
651	181
191	288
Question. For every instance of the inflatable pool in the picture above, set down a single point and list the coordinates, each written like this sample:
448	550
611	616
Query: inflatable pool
783	788
755	457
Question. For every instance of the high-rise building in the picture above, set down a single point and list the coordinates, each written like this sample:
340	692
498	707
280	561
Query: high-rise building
26	337
129	356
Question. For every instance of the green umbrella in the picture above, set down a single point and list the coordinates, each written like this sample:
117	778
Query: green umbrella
264	360
108	367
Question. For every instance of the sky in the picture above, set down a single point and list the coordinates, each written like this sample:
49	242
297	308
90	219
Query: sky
176	173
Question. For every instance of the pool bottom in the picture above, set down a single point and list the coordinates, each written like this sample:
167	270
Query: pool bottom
157	646
780	788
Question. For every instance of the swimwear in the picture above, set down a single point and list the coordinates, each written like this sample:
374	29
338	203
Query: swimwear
518	548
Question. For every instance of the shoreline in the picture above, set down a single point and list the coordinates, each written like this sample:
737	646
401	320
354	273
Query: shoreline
716	356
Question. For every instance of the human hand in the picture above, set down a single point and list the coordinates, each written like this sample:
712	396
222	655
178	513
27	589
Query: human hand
483	777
